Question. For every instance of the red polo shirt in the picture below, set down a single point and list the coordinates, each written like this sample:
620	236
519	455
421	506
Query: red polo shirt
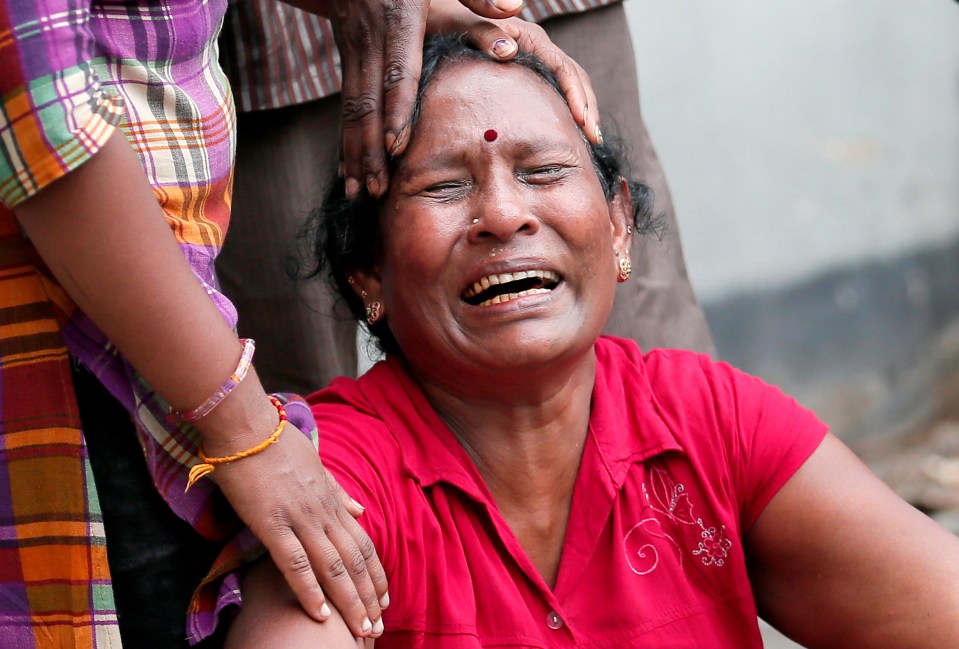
681	457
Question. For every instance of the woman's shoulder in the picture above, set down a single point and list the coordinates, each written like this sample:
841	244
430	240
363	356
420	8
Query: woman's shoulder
691	387
351	421
664	371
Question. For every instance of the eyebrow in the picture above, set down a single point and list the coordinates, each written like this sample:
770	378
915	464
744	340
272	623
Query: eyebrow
521	149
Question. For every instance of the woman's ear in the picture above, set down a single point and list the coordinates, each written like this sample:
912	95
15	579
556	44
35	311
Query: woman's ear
368	287
621	218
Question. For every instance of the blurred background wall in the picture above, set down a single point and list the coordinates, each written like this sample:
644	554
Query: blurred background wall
812	148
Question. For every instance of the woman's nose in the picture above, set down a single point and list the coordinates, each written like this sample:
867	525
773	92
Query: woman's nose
502	212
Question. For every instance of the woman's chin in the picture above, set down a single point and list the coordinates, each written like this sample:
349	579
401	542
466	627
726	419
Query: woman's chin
527	349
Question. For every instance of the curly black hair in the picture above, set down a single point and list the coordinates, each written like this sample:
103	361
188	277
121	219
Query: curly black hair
343	234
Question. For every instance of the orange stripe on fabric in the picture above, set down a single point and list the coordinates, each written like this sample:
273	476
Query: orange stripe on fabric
57	533
27	328
206	223
28	284
6	38
52	562
48	531
42	436
21	288
18	360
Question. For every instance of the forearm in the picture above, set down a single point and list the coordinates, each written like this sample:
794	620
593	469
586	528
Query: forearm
114	254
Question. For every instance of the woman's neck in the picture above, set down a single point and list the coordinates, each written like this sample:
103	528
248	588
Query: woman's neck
526	438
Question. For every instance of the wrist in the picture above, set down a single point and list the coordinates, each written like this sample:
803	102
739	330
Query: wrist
243	419
209	463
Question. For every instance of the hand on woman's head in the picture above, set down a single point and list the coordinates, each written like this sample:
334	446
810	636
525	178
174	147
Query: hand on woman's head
379	48
501	40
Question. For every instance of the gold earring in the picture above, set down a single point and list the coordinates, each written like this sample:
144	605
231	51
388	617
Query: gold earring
372	312
625	268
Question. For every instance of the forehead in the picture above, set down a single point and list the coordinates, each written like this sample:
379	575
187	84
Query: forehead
466	98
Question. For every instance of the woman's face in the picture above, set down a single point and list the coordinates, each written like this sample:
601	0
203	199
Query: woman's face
498	241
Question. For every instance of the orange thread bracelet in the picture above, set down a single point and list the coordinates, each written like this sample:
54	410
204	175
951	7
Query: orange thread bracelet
208	464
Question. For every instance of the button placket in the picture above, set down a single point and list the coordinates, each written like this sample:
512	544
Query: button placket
554	621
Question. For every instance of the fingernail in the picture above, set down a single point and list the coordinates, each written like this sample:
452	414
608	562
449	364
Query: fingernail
385	600
507	5
352	187
324	610
378	627
377	183
586	113
367	626
391	143
503	47
599	135
358	505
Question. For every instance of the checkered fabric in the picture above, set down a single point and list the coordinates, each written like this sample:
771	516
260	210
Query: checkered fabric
278	56
71	73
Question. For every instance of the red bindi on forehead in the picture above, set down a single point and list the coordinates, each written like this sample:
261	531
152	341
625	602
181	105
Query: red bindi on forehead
490	135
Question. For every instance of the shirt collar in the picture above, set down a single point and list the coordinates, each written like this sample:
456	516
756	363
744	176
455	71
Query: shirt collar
624	420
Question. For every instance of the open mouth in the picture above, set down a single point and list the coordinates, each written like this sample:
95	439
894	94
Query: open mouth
503	287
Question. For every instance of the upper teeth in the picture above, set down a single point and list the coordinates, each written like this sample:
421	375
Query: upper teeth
504	278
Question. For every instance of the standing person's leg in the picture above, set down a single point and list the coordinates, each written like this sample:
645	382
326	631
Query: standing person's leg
657	307
284	157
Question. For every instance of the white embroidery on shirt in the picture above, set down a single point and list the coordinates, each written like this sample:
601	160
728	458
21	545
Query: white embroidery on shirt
714	548
643	560
669	499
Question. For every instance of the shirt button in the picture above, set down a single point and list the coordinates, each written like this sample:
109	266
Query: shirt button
554	621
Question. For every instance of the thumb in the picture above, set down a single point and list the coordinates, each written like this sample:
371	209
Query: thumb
353	507
492	39
494	8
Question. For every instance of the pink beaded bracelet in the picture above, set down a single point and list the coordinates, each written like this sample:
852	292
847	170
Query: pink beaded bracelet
205	408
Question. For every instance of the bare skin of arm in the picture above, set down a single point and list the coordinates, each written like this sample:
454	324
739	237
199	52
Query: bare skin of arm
105	239
271	617
839	560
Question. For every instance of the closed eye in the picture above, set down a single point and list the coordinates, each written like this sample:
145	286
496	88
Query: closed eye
447	190
544	175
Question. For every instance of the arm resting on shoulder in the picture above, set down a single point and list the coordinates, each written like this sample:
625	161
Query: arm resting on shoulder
837	559
105	239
